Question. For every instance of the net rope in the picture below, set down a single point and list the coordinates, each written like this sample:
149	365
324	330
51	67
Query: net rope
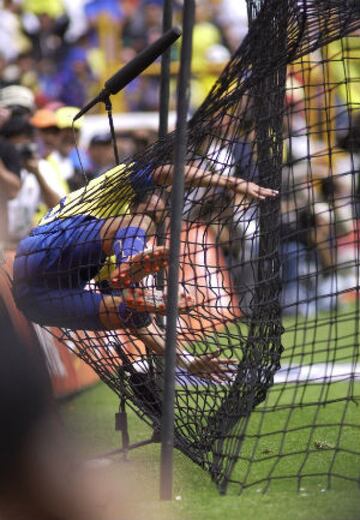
273	283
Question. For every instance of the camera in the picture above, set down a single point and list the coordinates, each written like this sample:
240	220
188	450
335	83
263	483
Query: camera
26	151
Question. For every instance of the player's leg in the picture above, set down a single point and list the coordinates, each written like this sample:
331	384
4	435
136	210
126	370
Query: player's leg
90	310
126	237
78	309
206	366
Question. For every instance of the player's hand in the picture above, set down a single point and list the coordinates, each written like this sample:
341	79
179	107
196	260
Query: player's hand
32	165
211	367
250	190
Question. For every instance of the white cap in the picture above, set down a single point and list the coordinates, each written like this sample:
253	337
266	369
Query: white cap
17	95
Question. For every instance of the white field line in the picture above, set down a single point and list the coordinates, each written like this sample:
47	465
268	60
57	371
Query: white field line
317	373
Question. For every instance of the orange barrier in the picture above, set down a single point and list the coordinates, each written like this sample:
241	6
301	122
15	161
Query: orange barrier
69	374
26	332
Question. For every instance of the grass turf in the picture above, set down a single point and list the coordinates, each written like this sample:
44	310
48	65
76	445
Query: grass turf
90	417
326	337
312	439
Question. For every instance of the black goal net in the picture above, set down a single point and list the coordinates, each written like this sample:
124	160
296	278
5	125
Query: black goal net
267	349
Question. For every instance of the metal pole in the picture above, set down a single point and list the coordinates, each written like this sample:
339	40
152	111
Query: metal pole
177	199
165	73
163	121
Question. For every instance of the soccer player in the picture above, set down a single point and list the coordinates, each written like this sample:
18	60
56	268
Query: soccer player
92	237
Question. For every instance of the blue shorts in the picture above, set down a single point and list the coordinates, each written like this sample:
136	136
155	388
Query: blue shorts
51	269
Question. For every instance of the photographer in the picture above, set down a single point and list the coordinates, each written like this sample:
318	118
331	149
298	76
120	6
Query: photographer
10	182
39	181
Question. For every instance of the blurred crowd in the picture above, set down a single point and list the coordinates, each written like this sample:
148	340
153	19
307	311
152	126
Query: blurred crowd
64	50
317	232
320	179
41	159
53	57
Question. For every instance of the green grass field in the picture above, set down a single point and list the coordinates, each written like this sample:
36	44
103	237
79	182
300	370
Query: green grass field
312	439
91	419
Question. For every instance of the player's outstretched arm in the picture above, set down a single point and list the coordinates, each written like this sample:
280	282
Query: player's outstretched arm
207	366
196	177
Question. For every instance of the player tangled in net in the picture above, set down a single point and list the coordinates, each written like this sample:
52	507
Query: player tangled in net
81	267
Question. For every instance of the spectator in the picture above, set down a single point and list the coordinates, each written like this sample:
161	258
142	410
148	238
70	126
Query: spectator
9	164
44	120
133	28
100	155
12	39
14	99
142	30
48	81
127	144
153	10
45	24
25	71
18	99
344	68
10	182
39	184
78	23
64	158
232	18
205	35
76	71
143	138
316	212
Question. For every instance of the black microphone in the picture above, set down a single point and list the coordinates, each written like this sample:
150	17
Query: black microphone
132	69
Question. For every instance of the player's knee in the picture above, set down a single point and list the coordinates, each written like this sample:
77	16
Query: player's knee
114	314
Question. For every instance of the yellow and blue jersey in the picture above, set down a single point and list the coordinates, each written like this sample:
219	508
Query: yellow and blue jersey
65	250
109	195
